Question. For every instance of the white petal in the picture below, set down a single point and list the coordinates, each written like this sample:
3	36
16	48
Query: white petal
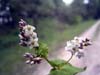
69	43
31	39
36	44
28	31
30	26
80	54
32	62
20	36
81	50
33	28
34	35
27	62
76	38
66	48
31	46
36	40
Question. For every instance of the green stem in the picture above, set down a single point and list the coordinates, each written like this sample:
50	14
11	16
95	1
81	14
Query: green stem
36	49
70	58
48	62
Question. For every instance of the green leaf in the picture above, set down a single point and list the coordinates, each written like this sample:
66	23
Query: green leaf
66	69
57	62
42	51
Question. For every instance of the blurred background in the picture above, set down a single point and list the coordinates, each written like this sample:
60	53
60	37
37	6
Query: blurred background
56	21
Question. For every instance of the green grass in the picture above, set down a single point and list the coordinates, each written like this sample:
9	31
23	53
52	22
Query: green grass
54	33
50	31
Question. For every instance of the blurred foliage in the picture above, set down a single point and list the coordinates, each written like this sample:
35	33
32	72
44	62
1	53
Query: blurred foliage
37	9
55	9
87	11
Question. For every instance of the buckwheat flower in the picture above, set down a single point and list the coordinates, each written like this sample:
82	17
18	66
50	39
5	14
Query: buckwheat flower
33	42
28	29
28	55
82	42
77	45
78	39
79	53
27	62
34	35
32	62
28	38
20	36
33	45
22	23
36	44
87	42
23	43
81	46
37	60
31	59
75	42
71	47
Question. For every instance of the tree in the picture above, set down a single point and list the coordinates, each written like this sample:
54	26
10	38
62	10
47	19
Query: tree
91	9
5	13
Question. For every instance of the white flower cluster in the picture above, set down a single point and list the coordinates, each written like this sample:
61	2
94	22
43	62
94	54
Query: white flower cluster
28	37
31	59
77	45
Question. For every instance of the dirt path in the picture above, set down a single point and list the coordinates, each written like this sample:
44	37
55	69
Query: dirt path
91	59
92	55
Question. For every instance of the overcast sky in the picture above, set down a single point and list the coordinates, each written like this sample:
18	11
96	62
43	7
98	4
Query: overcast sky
67	1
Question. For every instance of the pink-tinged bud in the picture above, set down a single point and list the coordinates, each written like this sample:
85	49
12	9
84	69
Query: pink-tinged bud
23	44
28	55
31	59
22	23
80	54
37	60
87	39
81	46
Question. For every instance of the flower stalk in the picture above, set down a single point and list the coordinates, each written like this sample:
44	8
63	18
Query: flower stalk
70	58
49	62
